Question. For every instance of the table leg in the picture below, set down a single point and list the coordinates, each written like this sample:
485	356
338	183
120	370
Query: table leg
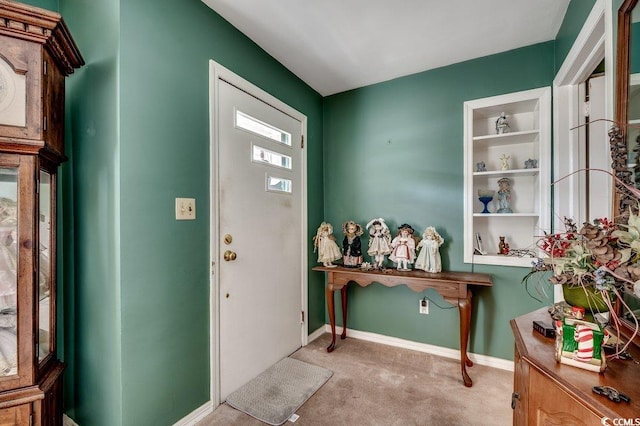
343	293
332	318
464	306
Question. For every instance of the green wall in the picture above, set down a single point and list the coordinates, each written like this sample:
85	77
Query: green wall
395	150
45	4
92	282
574	19
634	48
136	285
164	122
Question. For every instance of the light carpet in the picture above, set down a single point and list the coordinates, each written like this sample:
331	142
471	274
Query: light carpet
279	391
379	385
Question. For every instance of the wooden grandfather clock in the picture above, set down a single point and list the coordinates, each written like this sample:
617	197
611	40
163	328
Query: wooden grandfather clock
36	53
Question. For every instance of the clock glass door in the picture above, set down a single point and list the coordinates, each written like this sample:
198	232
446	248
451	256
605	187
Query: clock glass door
45	270
8	270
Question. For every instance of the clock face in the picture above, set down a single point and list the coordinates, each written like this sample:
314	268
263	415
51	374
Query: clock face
13	96
4	88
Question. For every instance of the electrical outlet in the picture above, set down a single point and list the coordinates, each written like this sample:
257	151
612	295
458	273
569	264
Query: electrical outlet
185	208
424	306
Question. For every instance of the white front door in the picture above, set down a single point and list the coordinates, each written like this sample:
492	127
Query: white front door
260	247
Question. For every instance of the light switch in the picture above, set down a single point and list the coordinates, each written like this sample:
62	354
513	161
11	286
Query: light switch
185	208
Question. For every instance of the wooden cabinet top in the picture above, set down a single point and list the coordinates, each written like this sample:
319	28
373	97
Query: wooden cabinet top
624	375
42	26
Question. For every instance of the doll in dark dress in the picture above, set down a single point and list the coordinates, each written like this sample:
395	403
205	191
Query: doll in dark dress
351	245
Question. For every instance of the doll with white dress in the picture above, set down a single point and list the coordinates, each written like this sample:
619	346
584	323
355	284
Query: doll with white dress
351	244
429	258
379	241
403	248
325	244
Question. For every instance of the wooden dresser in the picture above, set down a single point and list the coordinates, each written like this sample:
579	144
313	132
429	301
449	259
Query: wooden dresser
548	393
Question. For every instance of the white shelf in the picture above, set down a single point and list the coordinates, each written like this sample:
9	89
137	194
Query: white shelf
505	214
497	259
509	137
521	172
511	103
529	115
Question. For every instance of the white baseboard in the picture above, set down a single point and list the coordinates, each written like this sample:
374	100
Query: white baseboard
480	359
190	420
196	415
66	421
319	332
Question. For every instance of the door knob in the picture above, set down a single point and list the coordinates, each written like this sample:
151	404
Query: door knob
229	255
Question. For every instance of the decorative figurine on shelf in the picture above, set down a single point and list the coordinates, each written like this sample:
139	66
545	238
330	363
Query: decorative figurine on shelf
404	248
503	247
531	164
502	124
481	167
581	344
325	243
379	241
429	258
504	196
366	266
485	196
351	245
505	161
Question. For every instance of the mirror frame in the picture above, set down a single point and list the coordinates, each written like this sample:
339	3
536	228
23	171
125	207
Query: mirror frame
622	62
621	115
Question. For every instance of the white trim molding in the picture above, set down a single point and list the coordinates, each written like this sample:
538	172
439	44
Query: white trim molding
587	50
489	361
67	421
319	332
592	45
196	415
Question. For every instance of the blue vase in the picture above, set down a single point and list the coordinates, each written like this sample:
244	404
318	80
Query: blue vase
485	201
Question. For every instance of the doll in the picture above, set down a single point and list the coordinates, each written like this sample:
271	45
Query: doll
503	246
351	245
429	258
504	195
502	124
379	241
404	248
325	243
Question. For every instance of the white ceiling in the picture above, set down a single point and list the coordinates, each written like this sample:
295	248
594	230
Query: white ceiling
338	45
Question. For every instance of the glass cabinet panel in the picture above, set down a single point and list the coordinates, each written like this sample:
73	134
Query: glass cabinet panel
44	273
8	270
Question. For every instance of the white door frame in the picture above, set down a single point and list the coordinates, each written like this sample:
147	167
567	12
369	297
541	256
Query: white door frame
216	73
594	42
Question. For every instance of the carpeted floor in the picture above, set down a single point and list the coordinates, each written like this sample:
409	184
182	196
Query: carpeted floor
376	384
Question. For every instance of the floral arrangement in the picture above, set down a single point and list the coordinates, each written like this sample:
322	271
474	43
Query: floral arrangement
602	254
600	260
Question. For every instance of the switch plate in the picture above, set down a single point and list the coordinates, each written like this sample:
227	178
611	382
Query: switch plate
424	306
185	208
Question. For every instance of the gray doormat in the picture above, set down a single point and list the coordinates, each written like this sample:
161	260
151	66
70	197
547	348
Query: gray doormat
279	391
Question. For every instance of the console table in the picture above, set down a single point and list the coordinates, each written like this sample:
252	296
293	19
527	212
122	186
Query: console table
452	286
